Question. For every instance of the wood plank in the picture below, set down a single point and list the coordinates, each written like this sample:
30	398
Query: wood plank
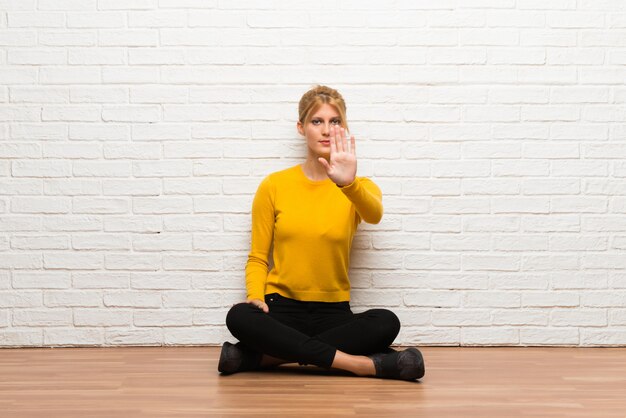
183	382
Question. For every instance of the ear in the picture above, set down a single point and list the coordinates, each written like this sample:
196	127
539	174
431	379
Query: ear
300	128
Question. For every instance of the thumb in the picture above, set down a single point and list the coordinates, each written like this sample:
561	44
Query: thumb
324	163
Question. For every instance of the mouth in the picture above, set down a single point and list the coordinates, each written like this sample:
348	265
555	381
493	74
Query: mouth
324	142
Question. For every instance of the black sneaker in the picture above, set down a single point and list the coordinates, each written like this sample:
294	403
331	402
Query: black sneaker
402	365
235	358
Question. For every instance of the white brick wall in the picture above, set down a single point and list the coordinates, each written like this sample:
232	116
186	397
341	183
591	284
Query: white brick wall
133	135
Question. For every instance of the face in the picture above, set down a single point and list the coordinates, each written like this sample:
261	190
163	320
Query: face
317	129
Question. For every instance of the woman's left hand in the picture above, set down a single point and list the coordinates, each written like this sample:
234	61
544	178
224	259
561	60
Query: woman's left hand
341	168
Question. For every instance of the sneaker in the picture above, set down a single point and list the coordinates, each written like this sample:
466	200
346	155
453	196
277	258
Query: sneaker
402	365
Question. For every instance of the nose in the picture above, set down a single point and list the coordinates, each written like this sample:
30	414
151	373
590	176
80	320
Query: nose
326	129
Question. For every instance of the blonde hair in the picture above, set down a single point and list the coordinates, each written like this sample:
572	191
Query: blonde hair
317	96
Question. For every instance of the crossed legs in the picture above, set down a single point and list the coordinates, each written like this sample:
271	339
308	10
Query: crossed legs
343	343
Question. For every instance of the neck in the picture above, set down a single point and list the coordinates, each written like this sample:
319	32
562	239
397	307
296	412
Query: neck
313	169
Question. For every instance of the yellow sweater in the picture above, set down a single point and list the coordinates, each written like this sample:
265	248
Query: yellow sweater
311	225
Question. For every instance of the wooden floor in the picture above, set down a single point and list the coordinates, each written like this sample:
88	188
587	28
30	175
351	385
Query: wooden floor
183	382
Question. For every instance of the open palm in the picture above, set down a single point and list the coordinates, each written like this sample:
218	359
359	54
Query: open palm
341	167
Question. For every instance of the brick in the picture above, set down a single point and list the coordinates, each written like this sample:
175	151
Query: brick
134	337
21	338
17	150
578	317
98	280
102	318
99	56
101	168
161	281
64	298
37	57
449	242
550	299
603	299
616	336
21	299
432	298
152	56
20	261
41	280
97	131
195	223
162	318
148	262
448	205
99	205
550	262
73	337
163	168
221	242
521	281
457	317
39	94
489	336
44	318
549	336
427	261
495	223
132	299
72	261
431	336
53	168
162	242
132	151
100	20
162	205
520	317
196	299
494	299
135	113
136	223
65	150
582	280
490	187
67	223
100	242
131	187
520	243
40	242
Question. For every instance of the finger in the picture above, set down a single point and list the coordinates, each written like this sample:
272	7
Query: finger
324	163
333	142
344	140
352	145
339	140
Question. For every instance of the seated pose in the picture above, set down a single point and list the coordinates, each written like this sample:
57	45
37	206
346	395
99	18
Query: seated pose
299	311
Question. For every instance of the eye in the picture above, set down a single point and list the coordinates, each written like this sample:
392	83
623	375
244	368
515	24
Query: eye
336	122
315	121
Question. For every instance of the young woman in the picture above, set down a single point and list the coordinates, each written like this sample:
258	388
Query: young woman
299	310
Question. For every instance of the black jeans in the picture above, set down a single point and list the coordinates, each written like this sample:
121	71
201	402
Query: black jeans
311	332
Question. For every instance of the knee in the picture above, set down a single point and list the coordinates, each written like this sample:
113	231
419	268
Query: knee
389	324
238	316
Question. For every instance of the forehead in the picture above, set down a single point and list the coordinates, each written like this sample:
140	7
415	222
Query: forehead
325	111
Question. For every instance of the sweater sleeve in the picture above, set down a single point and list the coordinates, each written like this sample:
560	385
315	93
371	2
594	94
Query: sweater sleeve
367	199
263	219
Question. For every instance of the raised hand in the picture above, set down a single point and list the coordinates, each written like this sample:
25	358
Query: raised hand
341	167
